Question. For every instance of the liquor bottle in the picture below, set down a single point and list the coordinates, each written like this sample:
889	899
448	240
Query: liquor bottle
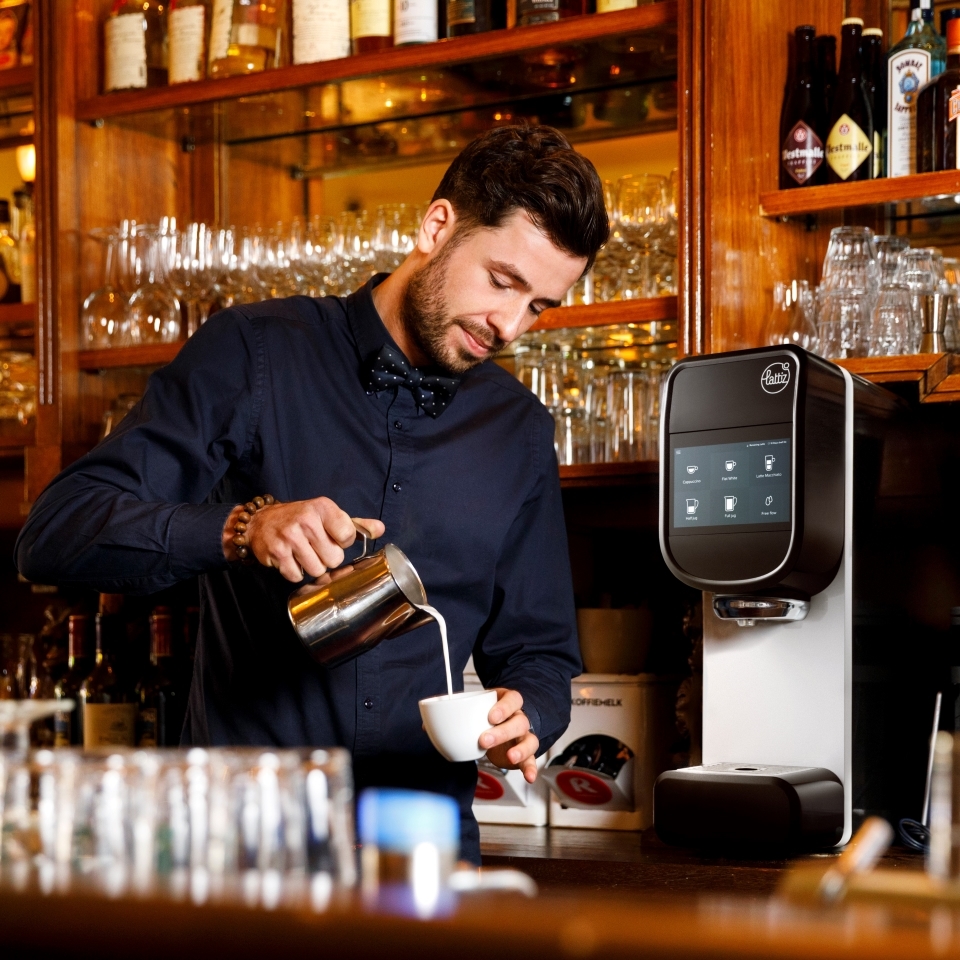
26	42
109	711
945	17
530	12
28	254
68	725
9	258
914	61
825	77
875	82
370	26
849	144
321	30
135	45
257	40
801	149
414	21
9	689
219	41
187	25
939	109
466	17
608	6
13	14
160	696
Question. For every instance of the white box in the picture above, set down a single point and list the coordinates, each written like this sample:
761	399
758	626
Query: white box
504	796
611	788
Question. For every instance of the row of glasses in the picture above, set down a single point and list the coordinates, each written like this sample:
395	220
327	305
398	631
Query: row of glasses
602	389
256	826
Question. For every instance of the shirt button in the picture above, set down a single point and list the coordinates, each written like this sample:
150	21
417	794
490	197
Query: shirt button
397	488
398	424
368	703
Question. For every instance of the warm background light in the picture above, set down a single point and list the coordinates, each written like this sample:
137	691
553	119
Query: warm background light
27	162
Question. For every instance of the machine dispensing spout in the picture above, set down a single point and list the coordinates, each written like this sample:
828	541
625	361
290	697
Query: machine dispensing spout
749	610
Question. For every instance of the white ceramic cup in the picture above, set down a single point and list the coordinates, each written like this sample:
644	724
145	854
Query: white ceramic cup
455	722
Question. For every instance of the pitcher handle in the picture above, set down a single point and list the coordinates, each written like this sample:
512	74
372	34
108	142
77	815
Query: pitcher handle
366	541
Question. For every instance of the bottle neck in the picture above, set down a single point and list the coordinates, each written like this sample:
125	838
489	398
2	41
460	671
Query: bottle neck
161	638
850	54
109	627
804	64
78	639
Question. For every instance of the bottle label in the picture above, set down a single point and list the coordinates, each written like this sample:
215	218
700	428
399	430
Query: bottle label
253	35
907	72
220	29
147	728
414	21
186	44
953	111
369	18
608	6
802	152
61	729
109	724
461	11
126	51
847	147
321	30
527	8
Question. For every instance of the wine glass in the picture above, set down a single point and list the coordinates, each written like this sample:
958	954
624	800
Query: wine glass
105	309
153	314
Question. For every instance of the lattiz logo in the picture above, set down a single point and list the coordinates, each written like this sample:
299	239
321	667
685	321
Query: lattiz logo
775	378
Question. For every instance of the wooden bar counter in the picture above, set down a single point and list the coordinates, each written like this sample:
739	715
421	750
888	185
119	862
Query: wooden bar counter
602	896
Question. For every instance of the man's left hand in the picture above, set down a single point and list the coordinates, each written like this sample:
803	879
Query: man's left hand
509	743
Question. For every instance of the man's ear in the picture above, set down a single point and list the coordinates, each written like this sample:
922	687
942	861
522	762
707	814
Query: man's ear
439	224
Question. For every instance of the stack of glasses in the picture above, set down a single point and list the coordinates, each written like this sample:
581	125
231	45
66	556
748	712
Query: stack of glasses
151	270
602	388
877	298
240	824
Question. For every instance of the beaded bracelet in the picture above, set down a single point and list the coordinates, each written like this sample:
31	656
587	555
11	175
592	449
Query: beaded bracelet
240	528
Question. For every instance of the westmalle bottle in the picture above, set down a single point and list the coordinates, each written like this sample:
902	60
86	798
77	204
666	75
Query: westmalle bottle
160	696
849	147
109	713
875	82
68	725
825	76
938	112
801	149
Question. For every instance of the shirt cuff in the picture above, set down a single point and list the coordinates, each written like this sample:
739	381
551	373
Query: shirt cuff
533	715
196	537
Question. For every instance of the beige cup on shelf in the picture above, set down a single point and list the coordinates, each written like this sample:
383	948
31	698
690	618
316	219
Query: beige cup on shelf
614	641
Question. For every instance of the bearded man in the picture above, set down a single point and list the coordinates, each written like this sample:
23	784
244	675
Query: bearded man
384	405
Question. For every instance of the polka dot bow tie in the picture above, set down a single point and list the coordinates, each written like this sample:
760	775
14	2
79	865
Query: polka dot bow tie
389	368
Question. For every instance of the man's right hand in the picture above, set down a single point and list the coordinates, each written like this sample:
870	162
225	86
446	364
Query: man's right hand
303	538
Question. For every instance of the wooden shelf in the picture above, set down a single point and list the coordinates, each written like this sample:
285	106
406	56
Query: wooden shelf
18	312
148	355
868	193
14	434
661	16
19	80
926	370
605	314
639	472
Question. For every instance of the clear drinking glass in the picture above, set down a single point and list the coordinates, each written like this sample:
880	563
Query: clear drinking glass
792	317
920	271
105	309
628	415
642	217
851	265
153	314
892	324
951	332
189	257
241	281
889	248
356	256
395	235
841	326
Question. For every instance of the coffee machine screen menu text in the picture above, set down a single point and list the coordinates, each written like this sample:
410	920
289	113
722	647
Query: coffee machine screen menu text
731	484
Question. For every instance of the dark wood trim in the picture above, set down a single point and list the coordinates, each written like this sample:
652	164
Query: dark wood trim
605	314
148	355
444	53
19	80
609	474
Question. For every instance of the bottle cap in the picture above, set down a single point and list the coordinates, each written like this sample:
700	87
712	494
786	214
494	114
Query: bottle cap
953	35
851	22
399	820
873	32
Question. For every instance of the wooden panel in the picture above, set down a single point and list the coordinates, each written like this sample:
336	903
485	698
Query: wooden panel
19	80
927	370
602	314
609	474
653	17
746	62
149	354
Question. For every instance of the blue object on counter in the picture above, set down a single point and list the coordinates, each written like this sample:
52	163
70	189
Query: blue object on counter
399	820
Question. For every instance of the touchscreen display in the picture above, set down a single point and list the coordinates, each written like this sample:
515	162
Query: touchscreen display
731	484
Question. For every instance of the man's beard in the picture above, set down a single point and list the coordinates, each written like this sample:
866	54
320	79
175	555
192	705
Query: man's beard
423	312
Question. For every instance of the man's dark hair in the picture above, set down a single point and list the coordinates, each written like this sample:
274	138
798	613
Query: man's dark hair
533	169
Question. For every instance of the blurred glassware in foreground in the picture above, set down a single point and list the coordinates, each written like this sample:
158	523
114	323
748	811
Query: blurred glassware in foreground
793	317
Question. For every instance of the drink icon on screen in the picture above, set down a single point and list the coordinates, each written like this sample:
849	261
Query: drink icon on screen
729	504
692	469
730	464
768	462
692	506
768	501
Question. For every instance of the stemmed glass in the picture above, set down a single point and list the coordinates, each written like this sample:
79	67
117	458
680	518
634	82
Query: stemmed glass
105	309
153	314
355	252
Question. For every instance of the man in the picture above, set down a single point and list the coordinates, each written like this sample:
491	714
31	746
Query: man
382	405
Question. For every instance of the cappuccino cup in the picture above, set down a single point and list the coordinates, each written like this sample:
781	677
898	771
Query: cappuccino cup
455	722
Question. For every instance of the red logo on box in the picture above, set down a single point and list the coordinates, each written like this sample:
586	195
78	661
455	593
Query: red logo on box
488	787
584	787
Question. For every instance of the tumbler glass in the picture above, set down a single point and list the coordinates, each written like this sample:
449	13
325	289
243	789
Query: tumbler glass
892	324
628	415
841	325
889	248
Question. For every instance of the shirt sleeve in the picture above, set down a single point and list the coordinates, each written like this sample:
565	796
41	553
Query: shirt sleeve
136	514
530	643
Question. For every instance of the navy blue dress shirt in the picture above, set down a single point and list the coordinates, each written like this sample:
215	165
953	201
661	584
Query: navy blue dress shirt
274	398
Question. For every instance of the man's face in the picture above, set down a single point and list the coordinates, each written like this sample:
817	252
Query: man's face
481	291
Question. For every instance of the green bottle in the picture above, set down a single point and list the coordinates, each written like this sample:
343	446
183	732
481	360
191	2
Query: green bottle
919	57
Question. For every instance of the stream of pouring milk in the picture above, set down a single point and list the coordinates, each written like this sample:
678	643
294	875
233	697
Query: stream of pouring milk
442	624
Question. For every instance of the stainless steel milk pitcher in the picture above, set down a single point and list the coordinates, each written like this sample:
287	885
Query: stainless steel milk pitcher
348	611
